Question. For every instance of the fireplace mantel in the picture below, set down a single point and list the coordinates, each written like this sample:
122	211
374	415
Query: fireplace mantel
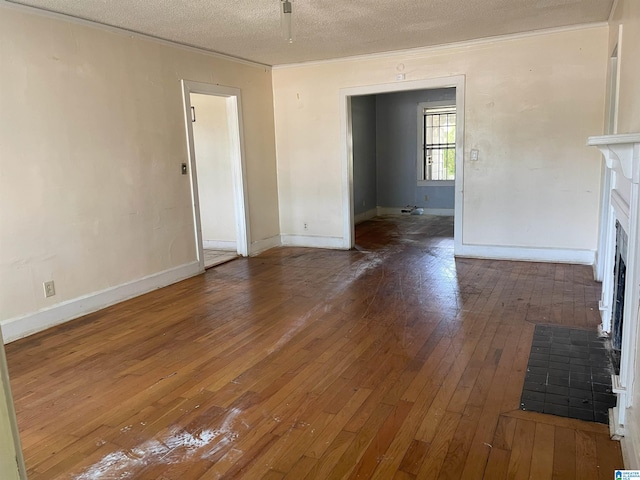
620	205
621	153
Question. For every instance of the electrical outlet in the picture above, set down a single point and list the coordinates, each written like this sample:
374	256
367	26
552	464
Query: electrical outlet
49	289
306	226
426	198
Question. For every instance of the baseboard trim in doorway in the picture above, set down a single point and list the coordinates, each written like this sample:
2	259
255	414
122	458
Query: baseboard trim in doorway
313	241
220	244
441	212
528	254
19	327
364	216
263	245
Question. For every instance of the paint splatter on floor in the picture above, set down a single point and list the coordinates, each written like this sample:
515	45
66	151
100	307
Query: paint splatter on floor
177	446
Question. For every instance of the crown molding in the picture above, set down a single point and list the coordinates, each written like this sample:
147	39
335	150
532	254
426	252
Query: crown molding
446	46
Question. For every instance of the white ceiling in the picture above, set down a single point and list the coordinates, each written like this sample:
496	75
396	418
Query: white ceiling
250	29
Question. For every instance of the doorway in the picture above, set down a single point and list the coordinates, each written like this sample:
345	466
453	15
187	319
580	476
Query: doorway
216	164
347	96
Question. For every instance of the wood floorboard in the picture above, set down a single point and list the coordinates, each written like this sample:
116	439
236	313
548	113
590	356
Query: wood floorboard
390	361
542	455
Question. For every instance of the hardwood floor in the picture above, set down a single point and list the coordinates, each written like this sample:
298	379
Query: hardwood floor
392	361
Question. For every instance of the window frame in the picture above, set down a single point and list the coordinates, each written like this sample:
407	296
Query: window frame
419	157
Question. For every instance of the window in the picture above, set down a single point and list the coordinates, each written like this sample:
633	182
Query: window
437	161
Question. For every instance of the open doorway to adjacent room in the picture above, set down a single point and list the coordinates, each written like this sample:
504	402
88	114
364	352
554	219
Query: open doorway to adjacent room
404	153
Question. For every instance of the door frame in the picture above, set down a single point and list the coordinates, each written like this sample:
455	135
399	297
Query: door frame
238	170
12	447
346	140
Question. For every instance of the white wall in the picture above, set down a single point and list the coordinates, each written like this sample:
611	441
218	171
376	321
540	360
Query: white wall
531	102
627	15
92	136
213	159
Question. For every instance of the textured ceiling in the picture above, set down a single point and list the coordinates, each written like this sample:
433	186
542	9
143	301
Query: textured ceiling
250	29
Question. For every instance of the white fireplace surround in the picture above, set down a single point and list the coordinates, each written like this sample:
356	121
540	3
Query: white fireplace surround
620	187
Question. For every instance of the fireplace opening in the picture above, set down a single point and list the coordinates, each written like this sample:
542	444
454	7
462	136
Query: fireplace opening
619	274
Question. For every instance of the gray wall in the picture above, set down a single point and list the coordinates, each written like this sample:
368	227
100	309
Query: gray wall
397	150
363	114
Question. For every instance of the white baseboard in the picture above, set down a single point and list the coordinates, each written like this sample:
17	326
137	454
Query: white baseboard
19	327
630	443
528	254
263	245
220	244
313	241
388	211
441	212
364	216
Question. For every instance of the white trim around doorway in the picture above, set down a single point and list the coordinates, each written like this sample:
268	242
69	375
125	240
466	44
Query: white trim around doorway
238	171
